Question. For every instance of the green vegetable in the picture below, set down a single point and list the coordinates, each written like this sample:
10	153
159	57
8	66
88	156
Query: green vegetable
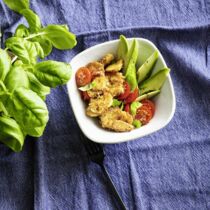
16	78
122	48
155	82
145	70
45	44
17	5
60	37
130	71
88	86
134	106
5	63
28	109
37	86
24	83
11	134
116	102
32	19
128	56
136	123
52	73
21	31
148	95
25	50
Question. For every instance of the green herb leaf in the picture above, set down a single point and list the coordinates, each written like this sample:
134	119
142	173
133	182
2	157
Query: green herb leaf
87	87
52	73
25	50
17	6
11	134
29	110
134	106
16	78
45	44
21	31
32	19
116	102
5	63
60	37
37	86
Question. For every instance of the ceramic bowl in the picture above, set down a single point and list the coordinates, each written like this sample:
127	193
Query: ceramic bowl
165	101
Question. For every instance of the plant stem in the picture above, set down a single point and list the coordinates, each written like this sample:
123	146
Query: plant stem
34	35
3	86
14	59
3	109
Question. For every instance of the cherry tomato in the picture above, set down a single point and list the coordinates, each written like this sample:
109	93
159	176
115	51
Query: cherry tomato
85	95
150	104
144	114
132	96
127	91
127	108
83	76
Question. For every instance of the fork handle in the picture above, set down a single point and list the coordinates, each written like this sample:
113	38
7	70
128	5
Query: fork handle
113	188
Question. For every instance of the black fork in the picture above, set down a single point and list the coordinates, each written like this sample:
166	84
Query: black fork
96	154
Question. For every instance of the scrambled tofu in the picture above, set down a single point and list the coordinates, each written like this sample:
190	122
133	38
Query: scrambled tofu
107	84
96	68
98	106
115	85
117	120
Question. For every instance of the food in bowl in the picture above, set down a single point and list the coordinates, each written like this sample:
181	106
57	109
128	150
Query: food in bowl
117	91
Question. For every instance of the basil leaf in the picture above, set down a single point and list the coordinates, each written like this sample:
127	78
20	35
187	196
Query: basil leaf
39	50
37	86
45	44
27	51
5	63
60	37
11	134
52	73
17	77
21	31
17	6
32	19
87	87
29	110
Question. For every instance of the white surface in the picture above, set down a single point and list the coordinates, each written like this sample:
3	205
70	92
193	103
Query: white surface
165	101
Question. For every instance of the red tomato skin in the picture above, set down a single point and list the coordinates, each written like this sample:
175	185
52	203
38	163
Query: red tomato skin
144	114
150	104
132	96
83	76
127	91
127	108
85	95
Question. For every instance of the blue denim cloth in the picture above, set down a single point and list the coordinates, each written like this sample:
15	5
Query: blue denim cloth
167	170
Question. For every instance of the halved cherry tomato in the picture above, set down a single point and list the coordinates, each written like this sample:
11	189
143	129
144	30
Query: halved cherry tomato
144	114
150	104
132	96
85	95
127	91
83	76
127	108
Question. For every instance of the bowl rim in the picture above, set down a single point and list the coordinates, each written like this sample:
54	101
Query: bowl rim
133	135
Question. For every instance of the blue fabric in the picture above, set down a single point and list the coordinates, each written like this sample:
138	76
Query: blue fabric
168	170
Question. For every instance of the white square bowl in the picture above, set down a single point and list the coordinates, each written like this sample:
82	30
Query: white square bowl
165	101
